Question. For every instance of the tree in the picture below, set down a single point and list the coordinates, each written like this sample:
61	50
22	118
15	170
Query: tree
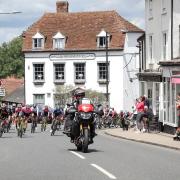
63	95
12	59
95	96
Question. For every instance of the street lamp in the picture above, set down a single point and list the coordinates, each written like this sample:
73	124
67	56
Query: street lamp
13	12
107	70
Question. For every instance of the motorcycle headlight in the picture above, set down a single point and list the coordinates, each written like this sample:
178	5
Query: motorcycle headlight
84	115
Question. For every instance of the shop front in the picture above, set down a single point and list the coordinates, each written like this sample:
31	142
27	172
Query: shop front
150	85
171	89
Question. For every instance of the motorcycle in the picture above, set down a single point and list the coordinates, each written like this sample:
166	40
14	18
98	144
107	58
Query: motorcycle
81	130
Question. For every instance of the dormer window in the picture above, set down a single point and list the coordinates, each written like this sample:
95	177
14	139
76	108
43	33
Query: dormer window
59	41
38	41
101	39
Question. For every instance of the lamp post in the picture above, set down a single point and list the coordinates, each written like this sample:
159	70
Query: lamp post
13	12
107	70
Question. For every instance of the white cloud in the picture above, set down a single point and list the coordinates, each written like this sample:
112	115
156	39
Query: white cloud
12	25
8	34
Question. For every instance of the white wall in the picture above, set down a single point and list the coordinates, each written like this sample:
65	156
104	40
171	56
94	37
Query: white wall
122	91
155	26
130	69
176	32
161	22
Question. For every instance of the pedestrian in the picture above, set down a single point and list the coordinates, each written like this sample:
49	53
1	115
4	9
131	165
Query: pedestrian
178	107
140	112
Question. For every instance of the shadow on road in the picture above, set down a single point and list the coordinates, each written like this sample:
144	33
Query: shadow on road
89	150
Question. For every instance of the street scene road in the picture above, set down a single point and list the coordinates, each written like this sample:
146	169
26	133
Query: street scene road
41	156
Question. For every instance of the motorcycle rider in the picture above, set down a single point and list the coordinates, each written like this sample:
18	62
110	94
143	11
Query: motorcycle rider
72	127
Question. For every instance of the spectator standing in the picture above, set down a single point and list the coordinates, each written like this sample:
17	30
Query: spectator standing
178	108
140	112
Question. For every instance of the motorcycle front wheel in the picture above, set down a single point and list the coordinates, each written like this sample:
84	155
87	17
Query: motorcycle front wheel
85	141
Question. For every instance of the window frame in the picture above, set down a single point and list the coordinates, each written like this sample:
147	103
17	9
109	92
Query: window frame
164	45
151	48
83	80
39	43
43	99
102	81
150	5
164	6
54	72
34	75
58	45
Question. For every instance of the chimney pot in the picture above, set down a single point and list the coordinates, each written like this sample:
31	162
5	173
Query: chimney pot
62	6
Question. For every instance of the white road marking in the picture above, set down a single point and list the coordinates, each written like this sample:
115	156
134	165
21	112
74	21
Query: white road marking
111	176
77	154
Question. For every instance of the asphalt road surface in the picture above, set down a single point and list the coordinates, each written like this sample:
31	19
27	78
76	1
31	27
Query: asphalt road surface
40	156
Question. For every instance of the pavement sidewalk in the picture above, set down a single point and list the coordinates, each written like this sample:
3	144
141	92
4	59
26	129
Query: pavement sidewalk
159	139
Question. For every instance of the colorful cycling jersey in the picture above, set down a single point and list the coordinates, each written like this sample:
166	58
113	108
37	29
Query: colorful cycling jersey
26	111
46	111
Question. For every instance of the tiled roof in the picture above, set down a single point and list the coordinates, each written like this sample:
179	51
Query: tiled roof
80	29
11	84
17	96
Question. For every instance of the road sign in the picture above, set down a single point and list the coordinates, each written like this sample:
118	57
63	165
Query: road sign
2	92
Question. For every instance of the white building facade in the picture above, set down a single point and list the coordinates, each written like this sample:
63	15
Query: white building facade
52	58
160	74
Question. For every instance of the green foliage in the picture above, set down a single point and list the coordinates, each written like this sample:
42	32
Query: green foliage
95	96
63	95
12	59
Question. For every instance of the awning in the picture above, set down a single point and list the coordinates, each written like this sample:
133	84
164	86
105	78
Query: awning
175	80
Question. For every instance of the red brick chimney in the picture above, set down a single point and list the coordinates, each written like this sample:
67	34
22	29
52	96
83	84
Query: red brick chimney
62	6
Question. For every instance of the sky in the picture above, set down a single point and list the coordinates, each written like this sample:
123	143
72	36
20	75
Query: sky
12	25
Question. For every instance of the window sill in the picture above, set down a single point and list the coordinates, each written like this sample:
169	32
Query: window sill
79	82
102	81
38	82
37	49
59	82
58	49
